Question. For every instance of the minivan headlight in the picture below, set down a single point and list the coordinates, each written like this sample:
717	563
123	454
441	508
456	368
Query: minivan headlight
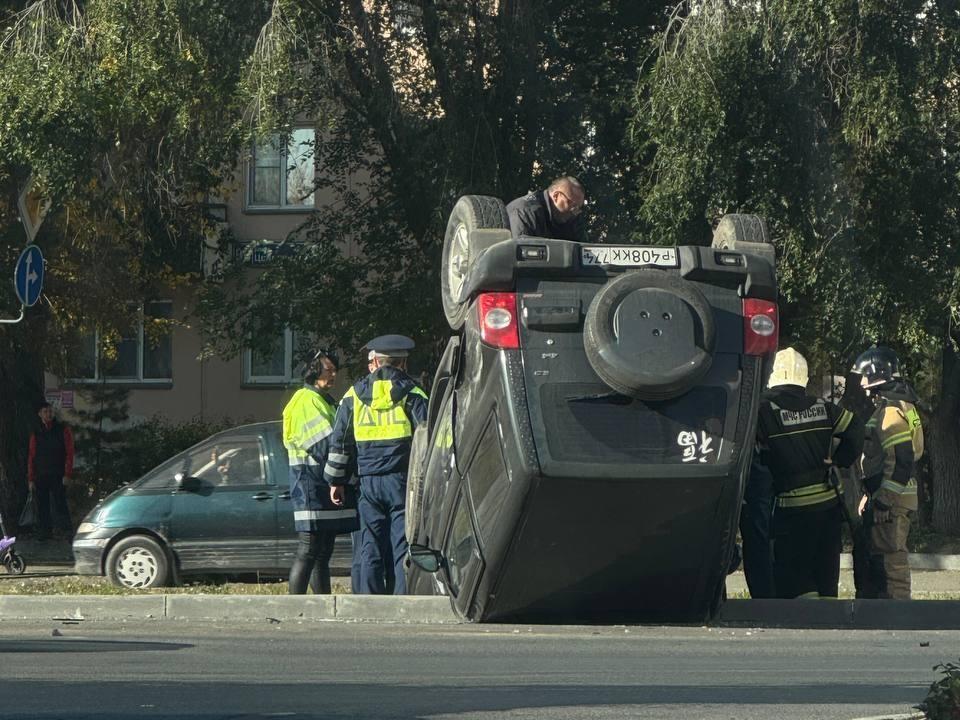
87	527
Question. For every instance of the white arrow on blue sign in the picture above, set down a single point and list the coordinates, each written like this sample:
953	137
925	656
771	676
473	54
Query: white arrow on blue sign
28	277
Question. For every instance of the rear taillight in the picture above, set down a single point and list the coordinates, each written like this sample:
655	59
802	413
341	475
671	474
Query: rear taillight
498	320
761	327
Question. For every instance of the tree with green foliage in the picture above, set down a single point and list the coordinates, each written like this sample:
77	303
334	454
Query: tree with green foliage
126	113
837	121
419	102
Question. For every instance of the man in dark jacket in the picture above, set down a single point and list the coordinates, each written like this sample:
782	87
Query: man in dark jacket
375	424
551	213
796	434
49	466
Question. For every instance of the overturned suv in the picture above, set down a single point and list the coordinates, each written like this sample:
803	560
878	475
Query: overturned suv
591	422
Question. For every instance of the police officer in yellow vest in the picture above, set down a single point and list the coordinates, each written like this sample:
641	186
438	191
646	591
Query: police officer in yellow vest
375	420
894	443
307	426
795	434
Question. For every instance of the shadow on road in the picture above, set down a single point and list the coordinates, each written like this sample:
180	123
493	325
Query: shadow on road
73	645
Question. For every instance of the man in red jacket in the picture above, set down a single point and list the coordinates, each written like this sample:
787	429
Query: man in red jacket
49	466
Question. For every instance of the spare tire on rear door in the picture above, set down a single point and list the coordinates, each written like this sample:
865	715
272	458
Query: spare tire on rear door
649	335
746	234
476	222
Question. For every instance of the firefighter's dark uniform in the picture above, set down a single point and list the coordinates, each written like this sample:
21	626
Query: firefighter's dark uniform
894	443
795	434
376	419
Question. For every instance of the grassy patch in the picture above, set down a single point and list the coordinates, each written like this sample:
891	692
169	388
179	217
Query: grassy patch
86	585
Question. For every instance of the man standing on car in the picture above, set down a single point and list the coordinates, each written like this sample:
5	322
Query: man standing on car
375	420
307	425
893	445
795	434
49	467
551	213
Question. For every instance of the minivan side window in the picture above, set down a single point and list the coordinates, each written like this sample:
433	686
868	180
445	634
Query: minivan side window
222	461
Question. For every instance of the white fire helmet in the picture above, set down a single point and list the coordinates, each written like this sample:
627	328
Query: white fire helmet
789	368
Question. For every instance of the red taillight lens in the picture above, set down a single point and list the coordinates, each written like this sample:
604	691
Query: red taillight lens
761	327
498	320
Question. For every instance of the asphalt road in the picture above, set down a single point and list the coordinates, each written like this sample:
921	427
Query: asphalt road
343	670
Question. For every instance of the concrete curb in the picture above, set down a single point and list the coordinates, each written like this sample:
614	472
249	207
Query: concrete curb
274	608
842	614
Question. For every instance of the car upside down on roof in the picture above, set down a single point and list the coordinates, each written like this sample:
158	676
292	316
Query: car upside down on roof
591	422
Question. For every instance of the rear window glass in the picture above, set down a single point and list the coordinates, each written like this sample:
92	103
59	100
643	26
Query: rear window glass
586	422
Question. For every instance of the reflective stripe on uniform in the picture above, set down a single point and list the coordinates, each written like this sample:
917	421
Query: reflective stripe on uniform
806	496
317	436
893	486
323	514
297	458
798	432
843	422
900	437
334	471
338	458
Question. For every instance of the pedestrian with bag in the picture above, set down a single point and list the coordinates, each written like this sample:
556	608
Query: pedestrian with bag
49	469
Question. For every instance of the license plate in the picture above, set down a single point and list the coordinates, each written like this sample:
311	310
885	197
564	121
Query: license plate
629	255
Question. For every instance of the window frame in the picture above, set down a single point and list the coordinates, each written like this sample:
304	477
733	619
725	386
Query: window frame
283	141
251	380
139	379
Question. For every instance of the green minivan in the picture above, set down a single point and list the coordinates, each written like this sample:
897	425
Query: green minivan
220	507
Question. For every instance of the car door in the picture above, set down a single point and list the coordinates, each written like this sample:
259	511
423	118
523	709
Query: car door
280	470
224	508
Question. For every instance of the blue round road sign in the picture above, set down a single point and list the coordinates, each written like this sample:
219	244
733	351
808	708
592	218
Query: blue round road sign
28	277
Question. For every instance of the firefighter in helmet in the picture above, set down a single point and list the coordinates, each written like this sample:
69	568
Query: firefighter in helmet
795	434
894	443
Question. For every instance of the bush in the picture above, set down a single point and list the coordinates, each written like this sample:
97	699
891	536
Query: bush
943	700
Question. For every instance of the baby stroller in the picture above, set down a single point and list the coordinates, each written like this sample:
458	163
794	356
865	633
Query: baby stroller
14	563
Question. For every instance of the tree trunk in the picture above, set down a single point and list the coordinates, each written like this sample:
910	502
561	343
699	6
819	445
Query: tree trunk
943	440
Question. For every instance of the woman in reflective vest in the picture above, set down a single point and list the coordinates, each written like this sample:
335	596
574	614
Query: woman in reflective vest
307	424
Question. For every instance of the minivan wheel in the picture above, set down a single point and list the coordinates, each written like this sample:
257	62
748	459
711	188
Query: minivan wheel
649	335
138	562
746	234
462	245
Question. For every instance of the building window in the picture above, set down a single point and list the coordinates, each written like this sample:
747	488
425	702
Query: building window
272	365
282	171
144	350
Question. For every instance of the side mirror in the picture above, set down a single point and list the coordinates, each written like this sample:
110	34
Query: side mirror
425	558
187	483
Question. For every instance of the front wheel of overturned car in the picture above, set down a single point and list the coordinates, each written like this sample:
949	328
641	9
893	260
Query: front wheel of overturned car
476	222
418	462
745	233
138	562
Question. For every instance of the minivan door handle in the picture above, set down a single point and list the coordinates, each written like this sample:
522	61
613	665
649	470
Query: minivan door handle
285	495
262	496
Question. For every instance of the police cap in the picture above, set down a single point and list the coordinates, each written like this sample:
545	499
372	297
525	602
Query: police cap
397	346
